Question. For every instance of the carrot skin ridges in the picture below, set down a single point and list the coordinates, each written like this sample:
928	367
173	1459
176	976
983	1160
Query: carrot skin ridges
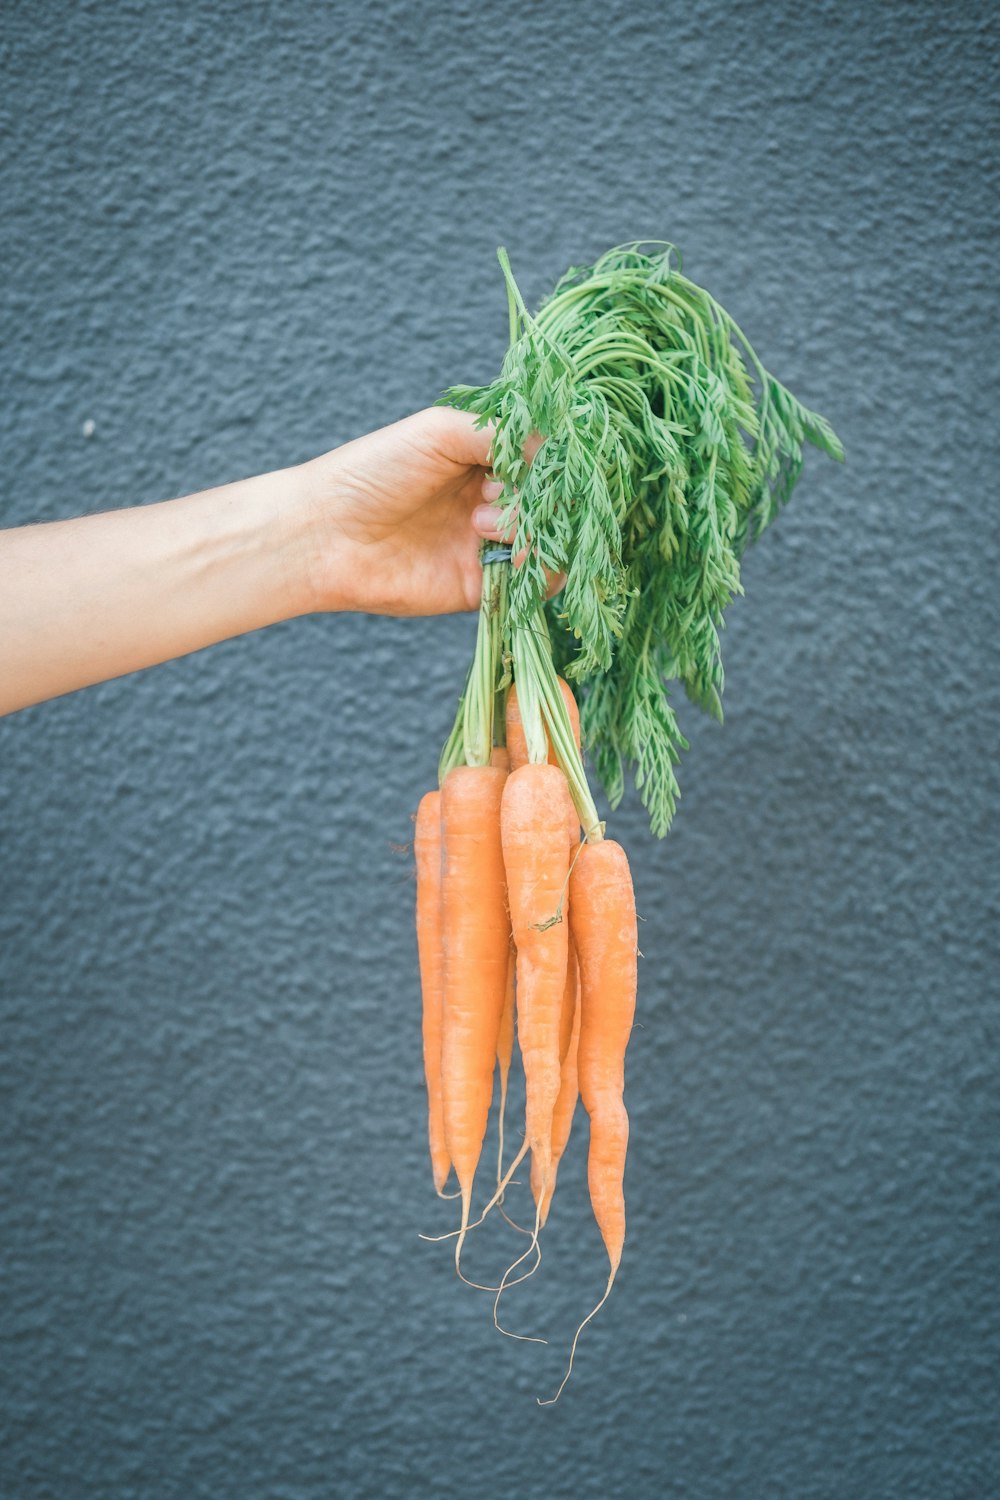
476	947
602	913
536	857
427	847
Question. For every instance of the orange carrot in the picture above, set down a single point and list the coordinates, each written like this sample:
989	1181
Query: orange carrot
536	858
602	912
569	1092
500	756
516	743
427	847
476	949
604	926
518	748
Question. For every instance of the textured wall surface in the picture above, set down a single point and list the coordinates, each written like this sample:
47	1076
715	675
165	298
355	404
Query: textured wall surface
233	236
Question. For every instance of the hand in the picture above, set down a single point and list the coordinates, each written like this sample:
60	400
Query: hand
399	515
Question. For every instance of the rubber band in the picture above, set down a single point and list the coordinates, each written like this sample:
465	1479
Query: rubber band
497	554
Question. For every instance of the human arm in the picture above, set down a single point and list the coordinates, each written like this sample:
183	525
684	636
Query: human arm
389	524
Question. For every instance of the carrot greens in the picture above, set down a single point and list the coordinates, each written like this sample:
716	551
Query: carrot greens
667	448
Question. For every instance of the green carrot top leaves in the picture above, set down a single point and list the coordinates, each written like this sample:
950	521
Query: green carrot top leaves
668	447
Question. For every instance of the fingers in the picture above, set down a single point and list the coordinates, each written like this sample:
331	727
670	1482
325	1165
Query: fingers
466	443
486	517
486	520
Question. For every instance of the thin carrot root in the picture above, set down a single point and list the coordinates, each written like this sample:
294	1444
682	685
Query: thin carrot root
551	1400
435	1239
513	1224
482	1287
478	1285
526	1338
464	1229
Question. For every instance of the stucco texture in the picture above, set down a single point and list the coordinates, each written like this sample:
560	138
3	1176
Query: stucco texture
232	237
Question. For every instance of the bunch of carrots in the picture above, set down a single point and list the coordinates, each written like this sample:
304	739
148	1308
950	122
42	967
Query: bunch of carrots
667	447
516	915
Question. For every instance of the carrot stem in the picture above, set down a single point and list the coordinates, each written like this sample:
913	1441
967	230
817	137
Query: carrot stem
538	690
478	709
453	752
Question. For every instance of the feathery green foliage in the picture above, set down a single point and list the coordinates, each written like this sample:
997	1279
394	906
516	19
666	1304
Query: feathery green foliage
667	449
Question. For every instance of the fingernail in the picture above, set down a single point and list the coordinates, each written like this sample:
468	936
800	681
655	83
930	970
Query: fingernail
492	489
486	517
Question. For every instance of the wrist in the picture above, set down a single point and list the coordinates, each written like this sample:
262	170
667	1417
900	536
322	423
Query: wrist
303	540
325	566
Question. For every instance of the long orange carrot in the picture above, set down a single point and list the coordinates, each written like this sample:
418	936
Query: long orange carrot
476	948
536	858
517	745
602	913
427	847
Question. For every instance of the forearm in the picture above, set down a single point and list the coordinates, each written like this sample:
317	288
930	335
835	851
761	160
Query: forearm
93	598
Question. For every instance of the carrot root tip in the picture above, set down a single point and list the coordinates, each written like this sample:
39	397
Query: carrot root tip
551	1400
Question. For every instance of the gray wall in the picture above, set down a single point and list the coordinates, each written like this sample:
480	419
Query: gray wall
236	235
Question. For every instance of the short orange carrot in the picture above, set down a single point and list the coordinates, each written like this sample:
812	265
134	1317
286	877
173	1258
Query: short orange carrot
427	847
476	951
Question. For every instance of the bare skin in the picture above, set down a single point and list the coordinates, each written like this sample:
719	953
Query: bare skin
387	524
